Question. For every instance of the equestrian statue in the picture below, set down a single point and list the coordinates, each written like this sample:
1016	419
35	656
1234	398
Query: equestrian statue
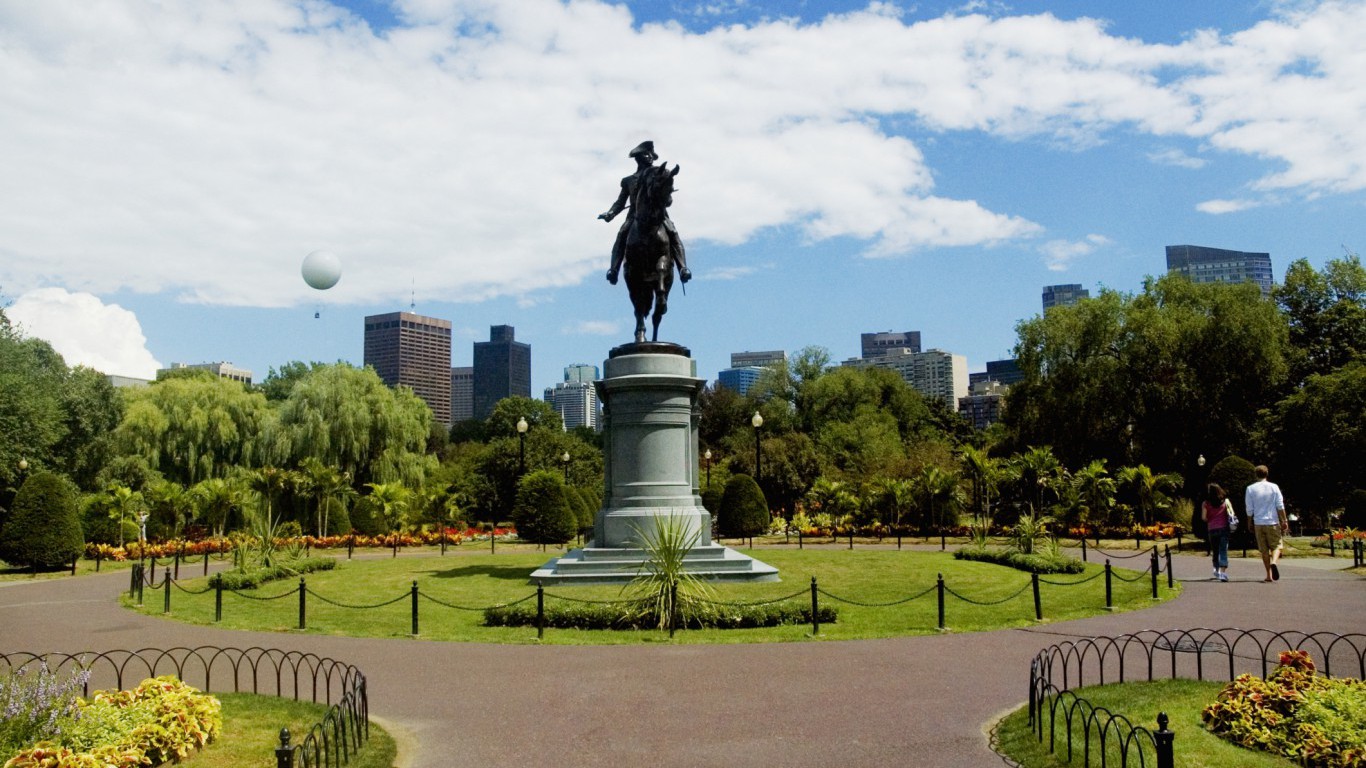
647	243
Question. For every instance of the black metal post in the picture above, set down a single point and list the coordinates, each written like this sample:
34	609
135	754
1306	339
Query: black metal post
939	585
133	580
1038	605
350	545
284	754
521	454
180	550
1332	544
443	541
1171	578
758	465
851	536
1083	549
815	610
1163	740
1109	592
414	597
1153	569
540	611
166	590
206	562
303	603
799	538
898	539
943	540
218	598
1178	541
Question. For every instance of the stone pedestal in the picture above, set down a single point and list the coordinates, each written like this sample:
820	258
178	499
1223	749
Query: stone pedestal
649	394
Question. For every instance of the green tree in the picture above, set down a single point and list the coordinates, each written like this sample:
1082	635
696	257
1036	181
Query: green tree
214	500
346	418
193	427
744	511
1038	474
1326	312
1234	474
1095	490
323	485
169	508
44	530
278	385
942	496
32	421
542	512
391	502
1151	378
1316	437
125	506
983	473
92	410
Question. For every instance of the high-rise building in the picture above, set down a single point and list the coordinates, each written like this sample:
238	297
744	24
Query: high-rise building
413	351
575	398
982	405
1063	295
740	380
502	368
1216	265
874	344
462	394
757	359
221	370
933	373
746	368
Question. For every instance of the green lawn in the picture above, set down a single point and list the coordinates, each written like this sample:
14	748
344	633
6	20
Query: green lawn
251	732
1182	700
872	580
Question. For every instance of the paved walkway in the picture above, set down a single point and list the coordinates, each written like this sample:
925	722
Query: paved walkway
922	701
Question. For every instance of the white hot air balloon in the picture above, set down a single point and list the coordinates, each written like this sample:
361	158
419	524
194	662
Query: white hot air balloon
321	270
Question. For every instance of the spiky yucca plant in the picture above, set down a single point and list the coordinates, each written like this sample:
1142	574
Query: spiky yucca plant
662	584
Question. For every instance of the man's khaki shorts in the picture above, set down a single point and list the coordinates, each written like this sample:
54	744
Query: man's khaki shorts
1268	538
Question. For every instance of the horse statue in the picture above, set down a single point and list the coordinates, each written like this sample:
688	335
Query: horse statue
647	242
650	248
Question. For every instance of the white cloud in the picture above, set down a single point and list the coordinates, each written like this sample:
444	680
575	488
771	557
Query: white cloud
1059	254
1177	158
1219	207
86	331
205	148
592	328
727	273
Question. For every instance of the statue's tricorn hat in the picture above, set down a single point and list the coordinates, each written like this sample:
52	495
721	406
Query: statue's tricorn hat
644	147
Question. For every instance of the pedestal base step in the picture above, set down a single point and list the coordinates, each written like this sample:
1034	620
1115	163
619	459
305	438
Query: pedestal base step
592	565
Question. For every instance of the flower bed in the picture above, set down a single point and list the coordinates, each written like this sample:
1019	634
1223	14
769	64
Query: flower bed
187	548
159	721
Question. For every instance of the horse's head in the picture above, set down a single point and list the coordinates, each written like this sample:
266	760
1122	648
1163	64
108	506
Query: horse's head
657	188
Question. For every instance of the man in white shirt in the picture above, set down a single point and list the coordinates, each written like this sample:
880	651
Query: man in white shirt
1266	514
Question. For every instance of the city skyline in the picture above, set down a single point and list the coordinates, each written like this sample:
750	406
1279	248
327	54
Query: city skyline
846	167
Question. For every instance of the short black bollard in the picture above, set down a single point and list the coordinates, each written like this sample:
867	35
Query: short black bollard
1178	541
142	584
414	596
206	562
1083	549
218	597
1038	605
1332	544
166	590
303	603
73	565
939	585
851	537
178	554
1163	741
1359	548
284	754
943	540
97	562
815	610
1138	542
1153	568
133	578
443	541
350	546
898	541
799	539
540	611
1171	578
1109	592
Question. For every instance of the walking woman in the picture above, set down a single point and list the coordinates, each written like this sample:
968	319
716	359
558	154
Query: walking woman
1217	512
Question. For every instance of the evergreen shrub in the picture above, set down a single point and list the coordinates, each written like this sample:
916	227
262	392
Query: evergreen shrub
634	616
44	529
1038	562
254	577
743	510
542	513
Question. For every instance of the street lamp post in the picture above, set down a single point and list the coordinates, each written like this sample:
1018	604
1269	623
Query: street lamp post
707	457
757	421
564	457
521	446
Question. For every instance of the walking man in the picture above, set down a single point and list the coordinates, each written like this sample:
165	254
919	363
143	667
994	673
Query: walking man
1266	513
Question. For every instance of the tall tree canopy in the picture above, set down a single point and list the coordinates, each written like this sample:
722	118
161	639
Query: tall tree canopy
1327	315
1157	378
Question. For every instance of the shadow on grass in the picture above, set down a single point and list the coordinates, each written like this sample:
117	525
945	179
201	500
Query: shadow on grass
504	572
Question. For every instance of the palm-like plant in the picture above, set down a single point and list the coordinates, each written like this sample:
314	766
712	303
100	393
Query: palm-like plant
214	499
941	493
1149	489
124	503
1096	491
984	472
391	500
1039	472
322	483
267	483
893	497
663	585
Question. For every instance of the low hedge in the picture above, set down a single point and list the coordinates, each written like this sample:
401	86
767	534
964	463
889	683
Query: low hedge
1035	563
629	616
250	579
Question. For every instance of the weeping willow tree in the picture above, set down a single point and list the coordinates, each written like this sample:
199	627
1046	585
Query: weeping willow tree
191	428
346	418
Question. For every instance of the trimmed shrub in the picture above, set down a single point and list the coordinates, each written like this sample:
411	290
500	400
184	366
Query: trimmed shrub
254	577
743	510
1354	514
711	499
583	511
634	616
1234	475
542	513
1041	563
44	529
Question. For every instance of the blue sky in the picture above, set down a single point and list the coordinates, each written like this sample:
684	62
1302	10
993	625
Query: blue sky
846	167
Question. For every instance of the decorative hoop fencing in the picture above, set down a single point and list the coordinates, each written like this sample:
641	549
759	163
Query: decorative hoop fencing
262	671
1189	654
